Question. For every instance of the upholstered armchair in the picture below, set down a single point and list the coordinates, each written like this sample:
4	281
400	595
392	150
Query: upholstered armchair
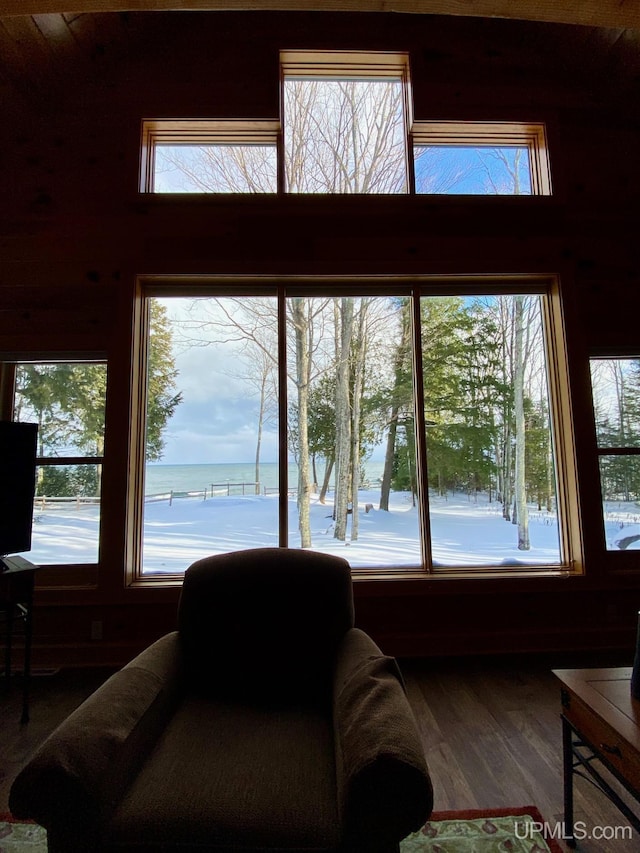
266	722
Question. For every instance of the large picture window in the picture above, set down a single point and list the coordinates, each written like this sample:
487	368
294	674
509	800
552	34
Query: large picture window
67	402
408	426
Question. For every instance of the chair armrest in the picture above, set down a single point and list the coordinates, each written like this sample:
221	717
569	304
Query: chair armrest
384	788
81	771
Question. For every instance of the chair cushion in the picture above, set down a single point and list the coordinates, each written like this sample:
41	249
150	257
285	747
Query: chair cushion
385	788
82	768
228	775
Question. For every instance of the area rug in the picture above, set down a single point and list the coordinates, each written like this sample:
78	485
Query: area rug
517	830
514	830
19	837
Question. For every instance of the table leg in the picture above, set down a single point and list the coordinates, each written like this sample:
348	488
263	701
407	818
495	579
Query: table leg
567	760
9	641
26	676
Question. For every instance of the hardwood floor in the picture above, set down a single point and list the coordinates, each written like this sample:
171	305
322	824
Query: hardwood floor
491	732
492	735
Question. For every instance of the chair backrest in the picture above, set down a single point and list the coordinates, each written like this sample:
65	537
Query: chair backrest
264	624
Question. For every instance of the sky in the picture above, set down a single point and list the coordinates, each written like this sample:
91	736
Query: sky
217	419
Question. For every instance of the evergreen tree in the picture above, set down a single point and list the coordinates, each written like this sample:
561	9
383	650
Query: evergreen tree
67	400
162	399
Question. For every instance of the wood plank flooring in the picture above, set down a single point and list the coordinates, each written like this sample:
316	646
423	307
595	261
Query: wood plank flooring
490	727
492	735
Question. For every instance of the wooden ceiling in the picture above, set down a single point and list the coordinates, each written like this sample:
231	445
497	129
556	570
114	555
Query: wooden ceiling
599	13
45	42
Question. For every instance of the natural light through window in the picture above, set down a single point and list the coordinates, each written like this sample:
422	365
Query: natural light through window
344	136
374	442
616	393
345	127
209	156
475	158
67	402
215	169
472	170
345	122
489	441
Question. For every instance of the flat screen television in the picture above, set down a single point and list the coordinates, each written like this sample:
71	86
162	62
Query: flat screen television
18	446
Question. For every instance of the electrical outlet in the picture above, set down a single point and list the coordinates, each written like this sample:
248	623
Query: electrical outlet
96	629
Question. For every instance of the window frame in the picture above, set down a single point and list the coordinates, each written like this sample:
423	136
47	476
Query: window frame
156	132
58	573
532	136
561	419
350	65
622	555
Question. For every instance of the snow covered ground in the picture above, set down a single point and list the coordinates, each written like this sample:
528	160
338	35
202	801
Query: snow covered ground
465	532
622	526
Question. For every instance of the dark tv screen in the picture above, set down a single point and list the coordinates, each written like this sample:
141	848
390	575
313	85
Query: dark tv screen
18	443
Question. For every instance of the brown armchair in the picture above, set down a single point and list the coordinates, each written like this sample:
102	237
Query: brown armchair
265	722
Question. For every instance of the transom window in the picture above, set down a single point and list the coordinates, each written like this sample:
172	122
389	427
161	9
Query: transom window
410	427
346	127
480	158
616	388
209	157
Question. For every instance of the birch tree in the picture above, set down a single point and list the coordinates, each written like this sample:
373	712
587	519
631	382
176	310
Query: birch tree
344	334
522	510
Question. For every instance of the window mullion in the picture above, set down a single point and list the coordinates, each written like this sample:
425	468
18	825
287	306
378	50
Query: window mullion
283	467
420	433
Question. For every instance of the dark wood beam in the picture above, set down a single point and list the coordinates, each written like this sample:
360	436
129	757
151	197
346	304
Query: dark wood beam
595	13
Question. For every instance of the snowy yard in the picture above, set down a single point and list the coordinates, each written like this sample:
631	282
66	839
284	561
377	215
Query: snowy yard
465	532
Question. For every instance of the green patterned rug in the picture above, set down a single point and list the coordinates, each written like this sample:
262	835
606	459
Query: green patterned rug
515	830
483	831
18	837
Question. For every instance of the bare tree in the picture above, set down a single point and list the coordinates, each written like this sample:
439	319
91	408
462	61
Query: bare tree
361	341
344	136
341	136
522	512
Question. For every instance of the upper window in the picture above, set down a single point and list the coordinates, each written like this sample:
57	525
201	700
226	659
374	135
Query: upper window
616	394
418	426
473	158
345	125
209	156
67	402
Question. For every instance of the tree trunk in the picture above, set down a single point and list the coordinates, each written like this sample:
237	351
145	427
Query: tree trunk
518	393
263	386
400	358
360	356
343	420
301	326
390	452
326	480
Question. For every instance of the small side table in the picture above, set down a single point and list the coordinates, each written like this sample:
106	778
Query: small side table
600	725
16	602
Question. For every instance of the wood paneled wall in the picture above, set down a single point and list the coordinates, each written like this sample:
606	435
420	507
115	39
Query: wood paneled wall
75	232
